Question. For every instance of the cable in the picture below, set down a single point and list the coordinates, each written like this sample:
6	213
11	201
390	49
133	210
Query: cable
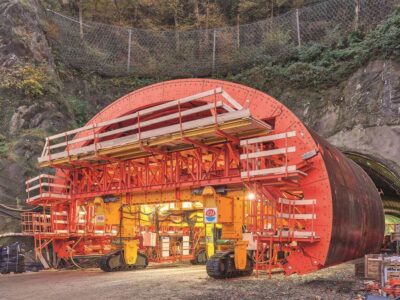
128	212
146	214
17	209
135	219
176	222
10	215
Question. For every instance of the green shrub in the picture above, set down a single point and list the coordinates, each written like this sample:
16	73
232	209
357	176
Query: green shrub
79	109
386	38
4	147
312	53
29	80
328	63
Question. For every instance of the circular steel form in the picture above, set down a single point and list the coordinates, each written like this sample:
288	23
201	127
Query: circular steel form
349	212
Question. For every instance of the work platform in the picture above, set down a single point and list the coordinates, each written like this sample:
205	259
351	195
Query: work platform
172	126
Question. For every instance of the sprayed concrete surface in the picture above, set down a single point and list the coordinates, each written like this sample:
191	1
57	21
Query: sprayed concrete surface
178	282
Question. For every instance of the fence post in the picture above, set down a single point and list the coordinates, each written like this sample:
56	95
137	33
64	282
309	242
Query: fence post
80	20
357	15
213	54
128	66
298	27
238	31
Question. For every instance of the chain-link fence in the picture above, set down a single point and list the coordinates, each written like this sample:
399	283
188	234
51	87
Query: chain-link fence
115	51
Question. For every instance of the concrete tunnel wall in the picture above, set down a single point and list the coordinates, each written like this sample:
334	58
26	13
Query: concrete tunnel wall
386	180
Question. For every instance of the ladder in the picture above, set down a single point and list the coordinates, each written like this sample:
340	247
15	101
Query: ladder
299	215
274	223
81	221
60	222
275	220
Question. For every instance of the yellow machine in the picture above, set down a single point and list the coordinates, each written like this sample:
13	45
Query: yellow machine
231	210
127	216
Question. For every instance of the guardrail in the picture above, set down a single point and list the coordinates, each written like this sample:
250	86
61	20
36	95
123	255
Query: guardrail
46	186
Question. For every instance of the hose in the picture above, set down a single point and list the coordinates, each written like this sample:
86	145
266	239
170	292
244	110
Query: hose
72	260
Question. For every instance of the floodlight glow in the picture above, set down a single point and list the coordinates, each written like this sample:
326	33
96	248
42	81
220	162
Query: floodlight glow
251	196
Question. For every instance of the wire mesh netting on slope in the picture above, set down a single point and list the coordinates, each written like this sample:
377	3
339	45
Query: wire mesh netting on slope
116	51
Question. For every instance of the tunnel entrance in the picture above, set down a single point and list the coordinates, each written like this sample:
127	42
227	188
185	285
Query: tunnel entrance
387	182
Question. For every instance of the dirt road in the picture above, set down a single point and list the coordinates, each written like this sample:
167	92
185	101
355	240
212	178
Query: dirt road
177	282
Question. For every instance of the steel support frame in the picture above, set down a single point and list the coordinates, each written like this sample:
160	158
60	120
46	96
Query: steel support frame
161	171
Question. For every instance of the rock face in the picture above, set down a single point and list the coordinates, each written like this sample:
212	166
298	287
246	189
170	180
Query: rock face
11	191
363	113
24	120
44	116
35	100
360	116
22	38
369	118
23	49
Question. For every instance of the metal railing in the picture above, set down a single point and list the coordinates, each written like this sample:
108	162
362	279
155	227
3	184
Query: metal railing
46	186
139	126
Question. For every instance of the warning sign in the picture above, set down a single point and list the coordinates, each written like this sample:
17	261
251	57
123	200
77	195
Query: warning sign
100	219
210	215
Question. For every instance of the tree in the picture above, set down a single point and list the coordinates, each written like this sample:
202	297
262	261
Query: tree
176	14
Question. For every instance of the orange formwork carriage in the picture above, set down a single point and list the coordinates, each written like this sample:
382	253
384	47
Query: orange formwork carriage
307	205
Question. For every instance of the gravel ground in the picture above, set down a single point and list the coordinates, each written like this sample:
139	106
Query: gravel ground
178	282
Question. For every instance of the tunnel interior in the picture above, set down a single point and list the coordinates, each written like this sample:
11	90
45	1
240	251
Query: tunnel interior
387	183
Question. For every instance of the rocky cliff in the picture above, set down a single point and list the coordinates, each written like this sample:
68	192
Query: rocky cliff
360	116
26	67
39	95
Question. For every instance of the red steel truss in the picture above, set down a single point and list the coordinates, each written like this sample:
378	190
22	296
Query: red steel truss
159	172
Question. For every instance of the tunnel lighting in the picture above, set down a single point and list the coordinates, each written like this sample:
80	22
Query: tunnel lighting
251	196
